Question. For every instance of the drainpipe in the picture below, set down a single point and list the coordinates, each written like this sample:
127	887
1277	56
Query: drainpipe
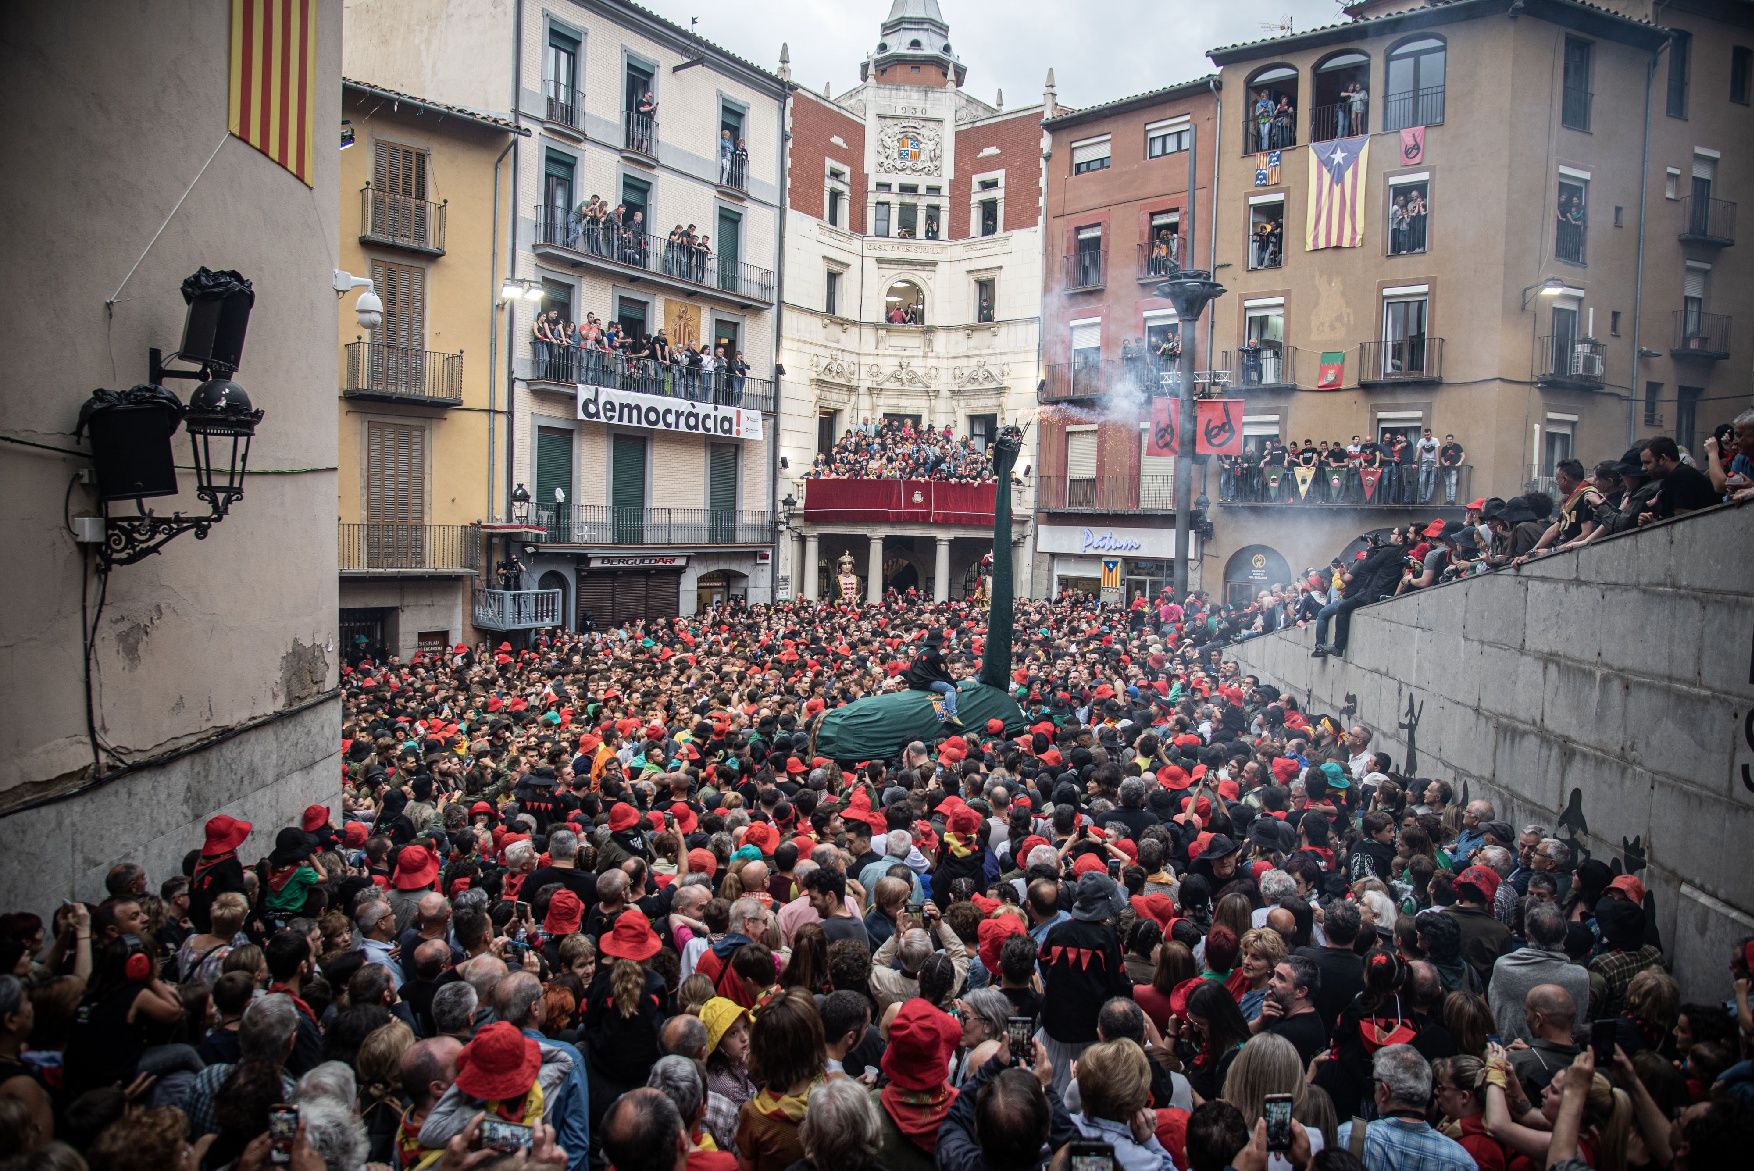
1634	388
1212	230
779	315
511	386
491	512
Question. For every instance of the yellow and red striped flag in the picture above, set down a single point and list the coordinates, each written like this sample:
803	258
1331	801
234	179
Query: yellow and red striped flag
274	79
1336	193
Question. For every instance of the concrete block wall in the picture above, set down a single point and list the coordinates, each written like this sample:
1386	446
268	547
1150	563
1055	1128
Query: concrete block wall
1607	692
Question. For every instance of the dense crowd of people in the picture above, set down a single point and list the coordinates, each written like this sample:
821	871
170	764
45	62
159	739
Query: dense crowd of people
612	355
598	902
895	448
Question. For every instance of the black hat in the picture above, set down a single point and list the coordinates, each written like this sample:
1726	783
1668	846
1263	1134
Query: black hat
1630	464
291	845
1515	513
1221	846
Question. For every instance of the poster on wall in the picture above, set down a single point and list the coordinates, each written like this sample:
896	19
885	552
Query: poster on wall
623	408
681	323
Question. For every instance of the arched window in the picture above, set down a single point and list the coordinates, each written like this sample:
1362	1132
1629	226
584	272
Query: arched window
1271	99
1413	92
1340	98
904	303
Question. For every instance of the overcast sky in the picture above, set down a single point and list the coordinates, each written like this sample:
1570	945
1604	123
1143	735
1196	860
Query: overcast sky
1099	49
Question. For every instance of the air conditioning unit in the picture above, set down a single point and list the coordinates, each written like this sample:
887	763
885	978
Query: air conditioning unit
1586	362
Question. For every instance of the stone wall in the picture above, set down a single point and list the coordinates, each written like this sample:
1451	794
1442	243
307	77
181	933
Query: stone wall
1608	692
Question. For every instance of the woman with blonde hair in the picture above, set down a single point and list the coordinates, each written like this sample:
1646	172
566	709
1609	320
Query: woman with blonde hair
1114	1086
1269	1064
200	956
1262	949
379	1066
1527	1130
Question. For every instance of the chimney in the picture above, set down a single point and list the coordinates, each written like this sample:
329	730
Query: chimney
785	70
1049	102
999	100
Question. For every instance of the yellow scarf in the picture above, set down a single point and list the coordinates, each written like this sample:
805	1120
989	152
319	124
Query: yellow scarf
787	1106
960	846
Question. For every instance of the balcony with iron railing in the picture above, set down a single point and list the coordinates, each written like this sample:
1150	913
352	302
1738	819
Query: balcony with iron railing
1090	378
1570	363
1155	266
1153	493
1574	106
517	609
734	172
403	374
1273	135
1337	120
564	106
1399	360
1409	486
610	524
640	134
1419	107
401	221
1569	238
1701	335
1261	367
410	548
1085	268
1708	221
567	239
563	368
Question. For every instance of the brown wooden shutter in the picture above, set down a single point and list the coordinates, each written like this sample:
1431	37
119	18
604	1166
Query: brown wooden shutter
398	359
395	495
399	177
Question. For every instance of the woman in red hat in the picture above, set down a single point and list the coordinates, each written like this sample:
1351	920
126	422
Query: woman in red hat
624	1008
916	1094
218	869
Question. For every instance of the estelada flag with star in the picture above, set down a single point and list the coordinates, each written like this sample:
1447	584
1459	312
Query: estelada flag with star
1163	409
1332	370
1335	216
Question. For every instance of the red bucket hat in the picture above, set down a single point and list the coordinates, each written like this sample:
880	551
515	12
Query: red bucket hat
622	816
416	866
499	1064
921	1040
992	935
631	939
225	833
315	818
565	912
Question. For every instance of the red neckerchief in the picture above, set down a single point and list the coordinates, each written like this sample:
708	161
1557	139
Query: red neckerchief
918	1114
278	877
408	1139
294	997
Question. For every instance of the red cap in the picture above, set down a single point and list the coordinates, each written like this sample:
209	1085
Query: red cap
1482	878
1629	886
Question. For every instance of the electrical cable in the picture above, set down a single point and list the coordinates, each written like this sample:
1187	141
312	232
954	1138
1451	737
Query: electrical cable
44	446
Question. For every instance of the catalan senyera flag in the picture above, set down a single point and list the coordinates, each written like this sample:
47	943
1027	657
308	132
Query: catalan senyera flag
1335	217
274	80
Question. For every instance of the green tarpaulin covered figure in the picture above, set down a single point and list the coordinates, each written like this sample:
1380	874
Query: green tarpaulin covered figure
880	726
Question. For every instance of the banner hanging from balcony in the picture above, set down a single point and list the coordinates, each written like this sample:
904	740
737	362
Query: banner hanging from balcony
1337	194
1163	420
1332	370
1301	476
274	80
1412	146
874	501
623	408
1219	430
1369	477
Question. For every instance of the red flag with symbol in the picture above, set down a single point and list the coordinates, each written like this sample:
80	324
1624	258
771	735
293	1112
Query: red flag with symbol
1332	370
1219	429
1412	145
1163	409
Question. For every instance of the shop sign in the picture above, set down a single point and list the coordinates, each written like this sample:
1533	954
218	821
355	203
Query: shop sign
640	561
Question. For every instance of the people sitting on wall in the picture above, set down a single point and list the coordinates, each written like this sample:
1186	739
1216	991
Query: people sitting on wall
898	449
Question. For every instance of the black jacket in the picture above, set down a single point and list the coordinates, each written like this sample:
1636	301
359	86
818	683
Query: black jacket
1377	574
926	669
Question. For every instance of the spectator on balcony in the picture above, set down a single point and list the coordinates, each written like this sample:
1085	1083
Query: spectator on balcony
1284	123
1358	107
544	343
1274	459
738	371
1426	451
1681	487
740	165
1406	468
1416	220
703	259
596	212
1400	227
1263	120
1450	457
645	126
727	150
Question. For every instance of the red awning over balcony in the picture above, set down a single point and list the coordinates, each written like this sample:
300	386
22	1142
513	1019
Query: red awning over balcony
868	501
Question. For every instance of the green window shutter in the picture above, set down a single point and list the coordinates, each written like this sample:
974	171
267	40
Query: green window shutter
554	470
627	488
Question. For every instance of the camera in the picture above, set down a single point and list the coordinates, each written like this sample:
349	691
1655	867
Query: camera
370	310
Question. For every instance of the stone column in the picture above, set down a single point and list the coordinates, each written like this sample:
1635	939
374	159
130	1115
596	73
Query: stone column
941	570
874	572
807	571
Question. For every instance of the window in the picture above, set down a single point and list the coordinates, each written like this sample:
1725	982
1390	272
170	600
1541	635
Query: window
1163	342
560	69
1653	410
1080	465
985	297
402	333
1263	357
904	304
836	204
1680	63
988	185
1741	69
885	187
631	314
1700	221
1565	336
1266	231
1090	155
1086	260
1687	415
1575	96
395	474
831	293
1557	433
908	220
1409	214
637	195
982	430
989	217
1692	300
638	98
1168	137
1415	88
1571	217
1087	357
1619	216
827	431
729	247
932	230
1614	323
1672	183
880	220
1271	100
556	295
1403	336
399	210
1162	250
1341	96
988	204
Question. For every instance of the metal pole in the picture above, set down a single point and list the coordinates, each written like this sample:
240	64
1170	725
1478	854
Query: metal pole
1184	461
